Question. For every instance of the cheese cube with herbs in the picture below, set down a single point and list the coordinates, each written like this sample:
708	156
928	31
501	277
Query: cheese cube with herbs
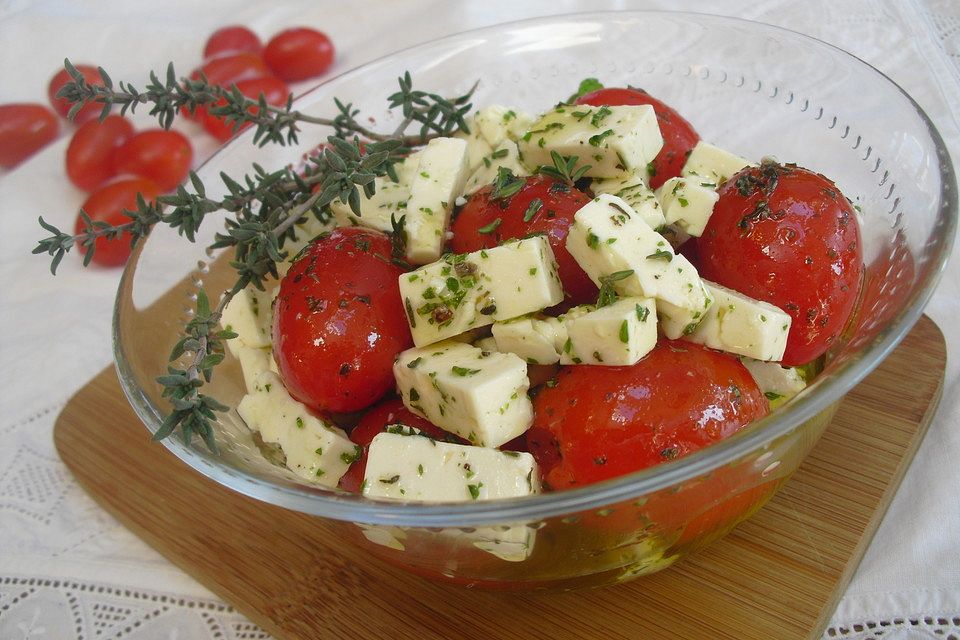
390	199
536	340
249	314
478	395
713	165
461	292
608	238
497	124
505	155
687	203
617	334
253	362
416	468
438	182
677	320
315	450
778	383
739	324
632	189
611	140
477	146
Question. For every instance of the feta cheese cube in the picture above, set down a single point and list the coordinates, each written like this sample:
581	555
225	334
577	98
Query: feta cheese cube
778	383
611	140
536	340
249	314
438	182
416	468
478	395
505	155
617	334
498	124
632	189
315	450
465	291
477	145
389	199
253	362
713	164
687	203
739	324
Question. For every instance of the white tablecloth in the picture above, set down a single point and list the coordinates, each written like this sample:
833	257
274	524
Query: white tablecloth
68	570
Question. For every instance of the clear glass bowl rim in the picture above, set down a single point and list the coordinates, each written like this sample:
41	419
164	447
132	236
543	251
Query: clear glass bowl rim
815	399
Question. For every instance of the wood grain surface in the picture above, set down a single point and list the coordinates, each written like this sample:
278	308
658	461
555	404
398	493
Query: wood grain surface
777	576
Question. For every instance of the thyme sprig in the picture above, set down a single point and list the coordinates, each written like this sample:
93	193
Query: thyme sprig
564	168
264	206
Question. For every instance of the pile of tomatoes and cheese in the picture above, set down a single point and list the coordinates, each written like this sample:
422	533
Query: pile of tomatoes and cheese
541	332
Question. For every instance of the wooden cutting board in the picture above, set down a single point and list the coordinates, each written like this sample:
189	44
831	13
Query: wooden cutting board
779	575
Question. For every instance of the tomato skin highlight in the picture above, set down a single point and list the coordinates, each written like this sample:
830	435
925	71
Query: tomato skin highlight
800	251
559	203
679	136
232	39
90	158
299	54
597	422
62	105
274	90
162	156
25	129
339	323
107	204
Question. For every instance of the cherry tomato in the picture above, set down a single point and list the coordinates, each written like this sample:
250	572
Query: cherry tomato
339	323
163	156
298	54
679	136
90	156
24	130
62	106
477	227
227	70
107	204
787	236
233	39
273	89
376	421
596	423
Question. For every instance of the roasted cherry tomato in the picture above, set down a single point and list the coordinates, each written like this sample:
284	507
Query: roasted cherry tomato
62	106
273	89
162	156
594	423
24	130
679	136
339	323
91	154
233	39
298	54
541	205
787	236
107	204
375	421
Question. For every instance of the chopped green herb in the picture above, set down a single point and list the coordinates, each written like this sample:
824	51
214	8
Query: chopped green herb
624	332
474	490
535	205
490	228
413	363
642	312
464	371
660	254
597	140
771	395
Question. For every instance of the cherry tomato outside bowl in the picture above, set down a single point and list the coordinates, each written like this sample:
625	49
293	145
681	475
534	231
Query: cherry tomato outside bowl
62	106
162	156
90	158
299	54
24	130
107	204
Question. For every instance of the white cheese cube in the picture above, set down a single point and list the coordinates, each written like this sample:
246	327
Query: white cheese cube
607	237
687	203
611	140
739	324
617	334
713	164
315	450
487	344
249	314
633	190
253	362
497	124
408	167
416	468
478	395
778	383
390	199
536	340
461	292
505	155
679	320
477	145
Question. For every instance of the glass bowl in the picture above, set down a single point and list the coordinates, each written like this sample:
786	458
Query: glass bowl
754	89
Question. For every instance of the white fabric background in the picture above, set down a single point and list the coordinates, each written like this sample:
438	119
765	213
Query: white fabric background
68	570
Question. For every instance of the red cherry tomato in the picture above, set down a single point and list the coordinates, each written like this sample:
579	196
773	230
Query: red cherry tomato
376	421
273	89
598	423
233	39
476	226
24	130
90	156
339	323
62	106
787	236
298	54
162	156
679	136
107	204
